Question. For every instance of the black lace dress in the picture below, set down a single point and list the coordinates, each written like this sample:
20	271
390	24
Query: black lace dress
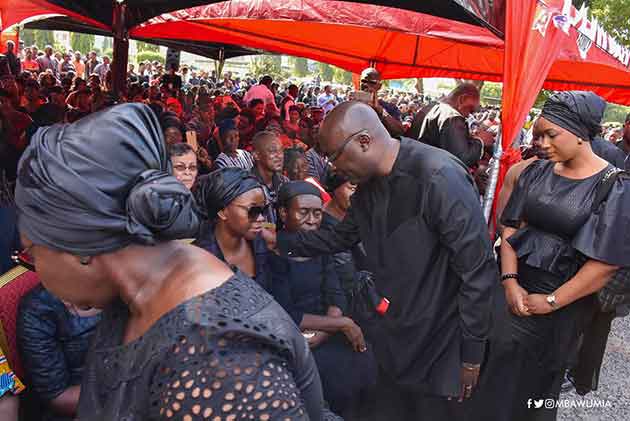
560	235
231	353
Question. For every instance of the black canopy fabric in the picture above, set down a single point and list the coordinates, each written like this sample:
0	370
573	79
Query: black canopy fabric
476	12
214	51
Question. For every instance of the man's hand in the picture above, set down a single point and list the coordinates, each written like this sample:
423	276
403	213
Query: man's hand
379	110
470	378
354	334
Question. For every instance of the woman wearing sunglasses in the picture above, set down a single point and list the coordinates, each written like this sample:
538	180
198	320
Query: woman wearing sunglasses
181	336
234	203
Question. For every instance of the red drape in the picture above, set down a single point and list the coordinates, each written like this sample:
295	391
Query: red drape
532	45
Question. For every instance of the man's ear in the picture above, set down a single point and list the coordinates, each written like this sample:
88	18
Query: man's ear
256	156
365	141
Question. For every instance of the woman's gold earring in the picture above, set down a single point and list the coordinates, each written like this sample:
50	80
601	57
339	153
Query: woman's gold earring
85	260
580	141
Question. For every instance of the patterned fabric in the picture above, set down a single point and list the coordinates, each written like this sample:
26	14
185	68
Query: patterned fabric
242	160
8	380
13	285
229	353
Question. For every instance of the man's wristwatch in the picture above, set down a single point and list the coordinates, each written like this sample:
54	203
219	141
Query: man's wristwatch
551	299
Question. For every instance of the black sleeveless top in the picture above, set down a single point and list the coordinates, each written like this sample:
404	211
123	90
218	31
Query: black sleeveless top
231	353
560	234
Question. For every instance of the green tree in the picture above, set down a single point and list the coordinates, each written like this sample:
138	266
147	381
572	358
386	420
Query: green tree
326	71
108	42
82	42
613	15
268	65
44	38
616	113
145	46
28	36
300	66
342	76
151	56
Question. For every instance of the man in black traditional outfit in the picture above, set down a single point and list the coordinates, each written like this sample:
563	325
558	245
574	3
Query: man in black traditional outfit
445	126
418	215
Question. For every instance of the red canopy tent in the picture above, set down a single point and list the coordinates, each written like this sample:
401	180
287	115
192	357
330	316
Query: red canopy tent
13	12
398	42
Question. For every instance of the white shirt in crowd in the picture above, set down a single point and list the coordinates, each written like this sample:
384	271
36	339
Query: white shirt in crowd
243	159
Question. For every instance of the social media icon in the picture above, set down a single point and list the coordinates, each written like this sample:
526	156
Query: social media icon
538	403
550	403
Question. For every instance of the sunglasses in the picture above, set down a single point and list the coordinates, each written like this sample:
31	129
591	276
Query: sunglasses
24	258
254	212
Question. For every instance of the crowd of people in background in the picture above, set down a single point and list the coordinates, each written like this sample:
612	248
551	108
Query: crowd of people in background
249	151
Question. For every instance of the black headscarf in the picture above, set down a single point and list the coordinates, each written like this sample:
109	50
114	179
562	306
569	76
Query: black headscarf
334	180
102	183
217	190
579	112
296	188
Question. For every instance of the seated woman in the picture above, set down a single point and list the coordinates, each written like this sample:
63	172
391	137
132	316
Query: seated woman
308	288
347	263
231	155
53	337
10	387
292	125
181	336
184	161
234	203
296	169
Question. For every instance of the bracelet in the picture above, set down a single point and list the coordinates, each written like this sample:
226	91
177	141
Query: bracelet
471	367
509	276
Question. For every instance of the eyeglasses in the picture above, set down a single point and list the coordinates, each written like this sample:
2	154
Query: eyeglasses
370	82
254	212
336	154
24	258
182	167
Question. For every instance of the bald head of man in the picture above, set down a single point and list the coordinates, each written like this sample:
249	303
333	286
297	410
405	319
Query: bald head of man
356	142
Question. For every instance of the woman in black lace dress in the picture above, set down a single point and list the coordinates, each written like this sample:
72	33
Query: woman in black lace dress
555	254
182	336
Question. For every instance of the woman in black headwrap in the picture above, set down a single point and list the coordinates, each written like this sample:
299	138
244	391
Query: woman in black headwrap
182	336
310	291
234	203
556	252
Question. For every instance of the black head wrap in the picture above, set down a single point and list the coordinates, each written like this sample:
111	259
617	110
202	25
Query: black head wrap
579	112
218	189
334	180
296	188
102	183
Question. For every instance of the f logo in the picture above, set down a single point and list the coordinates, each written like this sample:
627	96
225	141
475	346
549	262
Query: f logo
529	403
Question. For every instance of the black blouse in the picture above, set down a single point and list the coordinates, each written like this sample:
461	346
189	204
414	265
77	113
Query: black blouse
53	345
231	352
560	226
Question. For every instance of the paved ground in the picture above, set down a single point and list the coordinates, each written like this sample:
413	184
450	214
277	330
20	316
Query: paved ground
614	382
